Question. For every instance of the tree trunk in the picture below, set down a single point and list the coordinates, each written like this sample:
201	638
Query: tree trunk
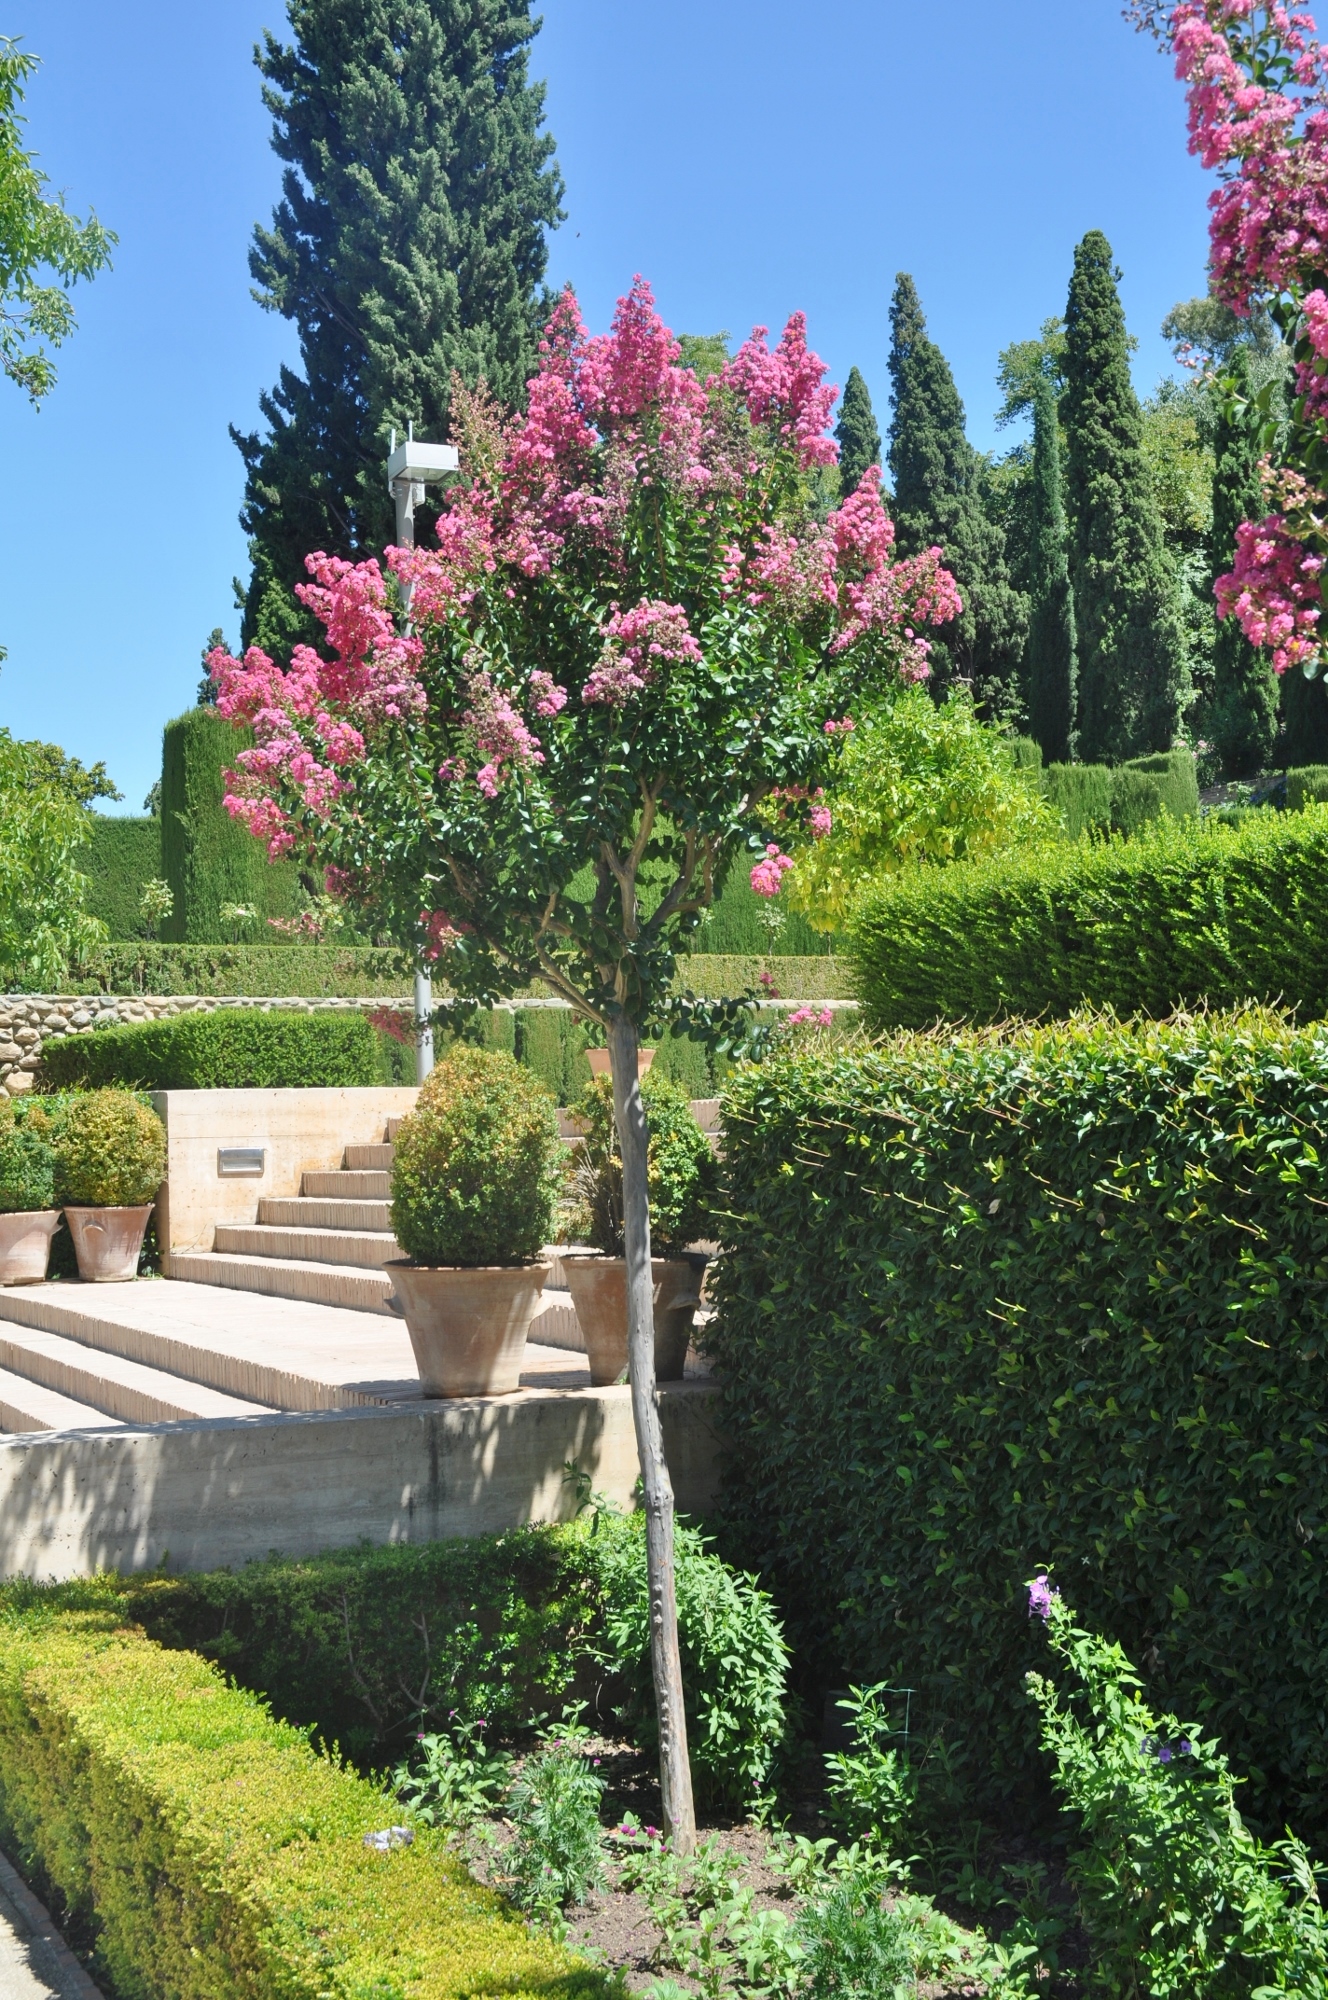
675	1773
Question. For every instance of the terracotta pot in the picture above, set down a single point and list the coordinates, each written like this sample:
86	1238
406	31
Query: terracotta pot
25	1245
107	1242
601	1064
599	1292
468	1325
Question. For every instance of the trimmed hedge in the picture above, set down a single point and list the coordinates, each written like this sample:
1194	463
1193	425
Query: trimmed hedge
121	857
1186	912
207	857
210	1850
1051	1297
1095	798
1306	786
235	1048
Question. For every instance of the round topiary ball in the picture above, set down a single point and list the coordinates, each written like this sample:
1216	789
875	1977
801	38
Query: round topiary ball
477	1166
111	1151
27	1169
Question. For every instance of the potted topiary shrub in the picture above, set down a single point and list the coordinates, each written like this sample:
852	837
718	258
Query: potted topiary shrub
29	1217
476	1172
110	1161
680	1177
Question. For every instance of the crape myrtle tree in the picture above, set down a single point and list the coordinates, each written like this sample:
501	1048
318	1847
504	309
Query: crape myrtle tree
1257	87
410	241
634	652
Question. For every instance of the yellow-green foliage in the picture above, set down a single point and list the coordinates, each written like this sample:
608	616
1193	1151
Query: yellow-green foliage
111	1151
215	1855
917	783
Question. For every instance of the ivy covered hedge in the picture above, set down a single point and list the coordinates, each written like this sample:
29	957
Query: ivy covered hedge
1046	1297
1185	912
210	1851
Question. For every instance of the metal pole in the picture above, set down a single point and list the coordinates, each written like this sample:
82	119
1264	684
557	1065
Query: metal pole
423	1026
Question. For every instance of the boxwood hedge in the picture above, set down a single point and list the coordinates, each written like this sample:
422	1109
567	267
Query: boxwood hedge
234	1048
1182	913
1041	1297
210	1853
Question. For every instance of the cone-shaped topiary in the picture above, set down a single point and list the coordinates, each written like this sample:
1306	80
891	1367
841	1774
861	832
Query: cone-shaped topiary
478	1164
111	1151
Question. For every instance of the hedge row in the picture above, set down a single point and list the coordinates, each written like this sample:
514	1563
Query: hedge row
209	859
122	856
369	972
1099	798
1047	1297
1187	911
235	1048
212	1853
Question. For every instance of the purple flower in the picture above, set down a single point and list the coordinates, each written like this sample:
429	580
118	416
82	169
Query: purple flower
1164	1753
1040	1595
1186	1747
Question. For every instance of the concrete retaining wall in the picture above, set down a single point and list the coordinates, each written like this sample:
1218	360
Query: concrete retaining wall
192	1496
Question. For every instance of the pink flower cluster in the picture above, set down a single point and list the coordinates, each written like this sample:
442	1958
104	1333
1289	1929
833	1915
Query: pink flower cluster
637	644
768	874
786	389
497	731
441	934
1274	592
809	1017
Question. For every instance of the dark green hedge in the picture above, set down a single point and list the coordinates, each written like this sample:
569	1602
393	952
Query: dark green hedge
207	857
1306	786
121	857
1094	798
235	1048
1187	911
1049	1297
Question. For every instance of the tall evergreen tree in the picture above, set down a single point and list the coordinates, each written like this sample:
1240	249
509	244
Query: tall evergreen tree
938	500
1127	620
859	438
1242	720
409	242
1050	667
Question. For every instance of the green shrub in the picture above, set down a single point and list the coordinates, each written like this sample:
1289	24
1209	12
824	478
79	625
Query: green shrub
1136	798
27	1167
557	1854
1094	798
1081	794
1026	753
1177	775
680	1169
477	1165
111	1151
234	1048
1307	786
1175	1893
210	1851
1042	1296
1188	911
228	971
122	856
208	858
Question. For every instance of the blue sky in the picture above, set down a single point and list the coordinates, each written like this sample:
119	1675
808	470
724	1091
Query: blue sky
749	156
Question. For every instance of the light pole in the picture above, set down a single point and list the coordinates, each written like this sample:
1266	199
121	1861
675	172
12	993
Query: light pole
410	467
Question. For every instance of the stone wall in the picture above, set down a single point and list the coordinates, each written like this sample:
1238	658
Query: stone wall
29	1019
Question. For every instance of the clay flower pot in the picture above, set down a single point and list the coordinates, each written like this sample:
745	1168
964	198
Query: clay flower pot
107	1242
468	1325
25	1245
599	1292
601	1063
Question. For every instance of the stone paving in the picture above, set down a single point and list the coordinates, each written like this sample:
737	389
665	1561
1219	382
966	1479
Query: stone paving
35	1961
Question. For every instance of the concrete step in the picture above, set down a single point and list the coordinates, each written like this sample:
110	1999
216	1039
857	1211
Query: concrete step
377	1158
129	1391
306	1211
27	1406
369	1248
339	1185
323	1282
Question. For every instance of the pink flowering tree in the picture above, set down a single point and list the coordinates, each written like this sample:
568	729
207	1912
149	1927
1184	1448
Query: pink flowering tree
1258	116
629	658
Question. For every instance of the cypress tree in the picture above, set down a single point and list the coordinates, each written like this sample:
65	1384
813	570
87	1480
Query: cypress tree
938	500
859	438
1050	670
1130	638
1242	720
410	241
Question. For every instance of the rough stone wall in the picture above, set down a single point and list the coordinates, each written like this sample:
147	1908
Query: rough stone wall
29	1019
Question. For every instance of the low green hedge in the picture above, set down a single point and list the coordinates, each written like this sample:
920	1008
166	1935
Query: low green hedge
1185	912
1306	785
1051	1298
264	971
235	1048
210	1851
1095	798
